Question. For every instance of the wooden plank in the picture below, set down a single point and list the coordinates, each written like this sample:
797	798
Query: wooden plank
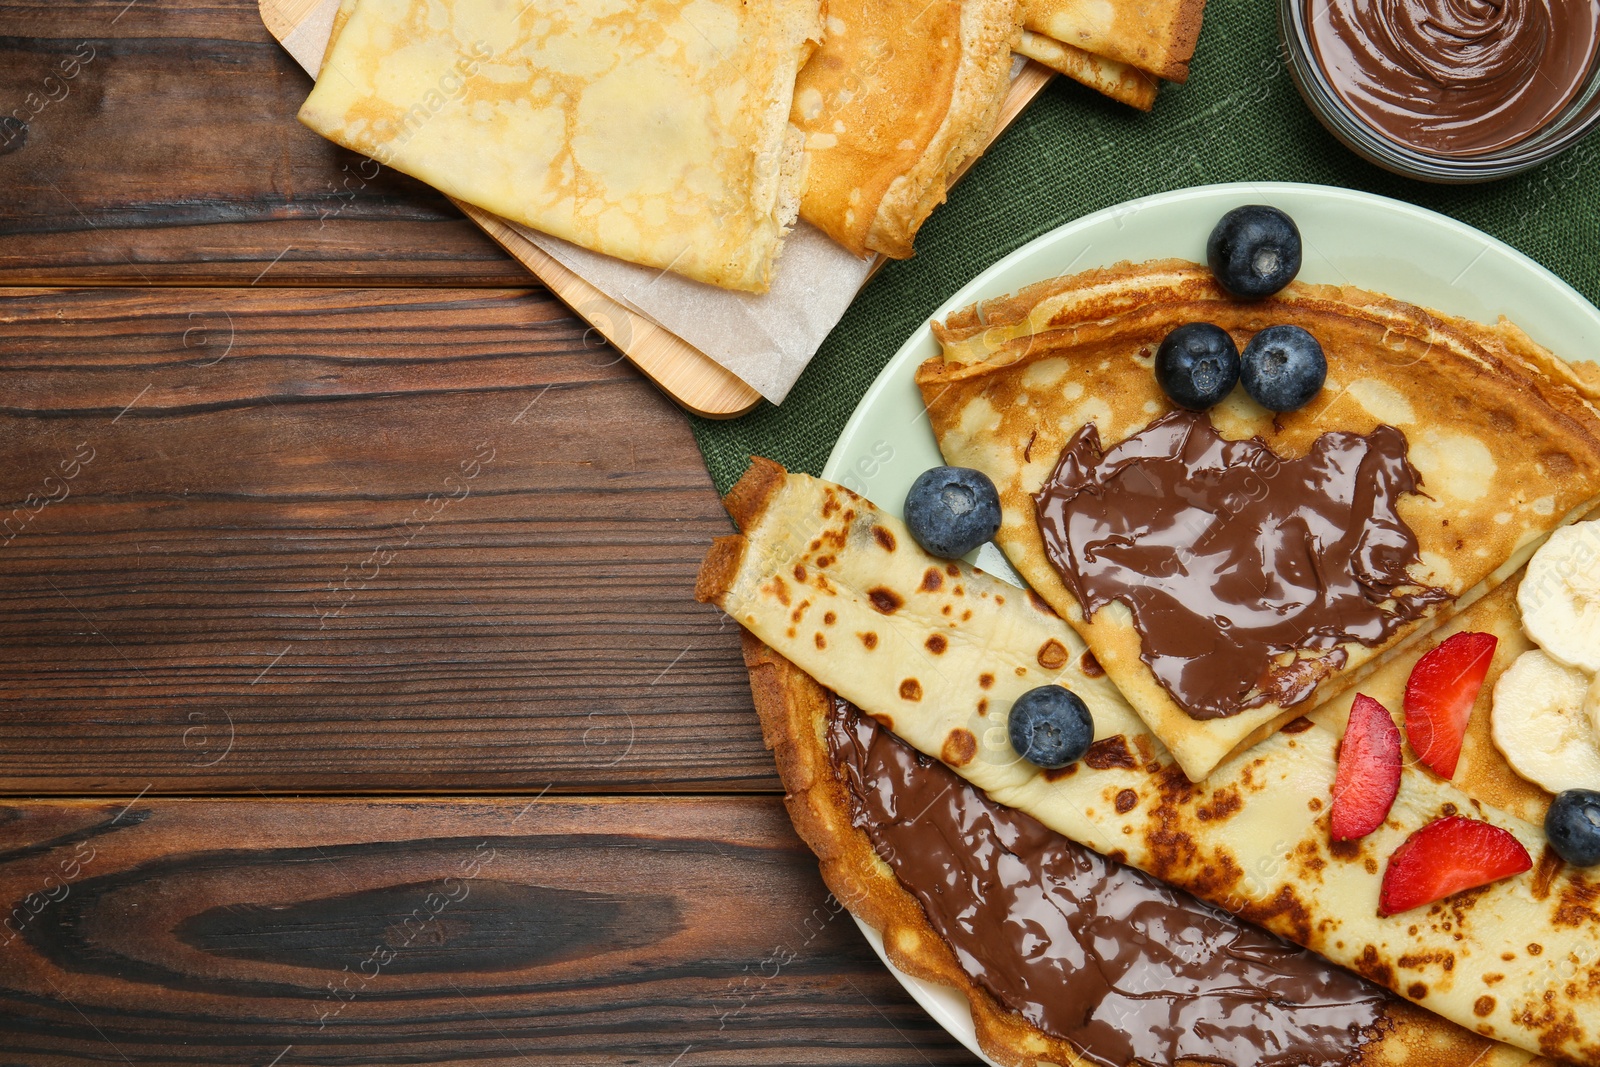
449	932
171	155
429	540
684	373
282	16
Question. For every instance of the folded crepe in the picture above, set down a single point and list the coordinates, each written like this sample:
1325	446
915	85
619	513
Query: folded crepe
901	93
1157	36
938	651
656	131
1122	82
1504	436
1481	772
1180	983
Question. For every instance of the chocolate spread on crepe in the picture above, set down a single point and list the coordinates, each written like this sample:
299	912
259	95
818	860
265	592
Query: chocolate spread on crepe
841	591
1102	955
1230	557
1501	464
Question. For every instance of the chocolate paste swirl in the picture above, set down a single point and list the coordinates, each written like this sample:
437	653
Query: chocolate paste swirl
1101	955
1455	77
1229	556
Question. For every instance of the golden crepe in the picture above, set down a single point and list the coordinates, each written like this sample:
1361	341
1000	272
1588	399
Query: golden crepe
900	94
658	133
794	711
1120	81
340	17
938	651
1157	36
1482	771
1505	437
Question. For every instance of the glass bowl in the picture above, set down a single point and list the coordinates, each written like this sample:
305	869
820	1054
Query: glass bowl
1564	130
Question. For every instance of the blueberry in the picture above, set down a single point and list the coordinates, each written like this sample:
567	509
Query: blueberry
952	510
1050	726
1282	368
1573	826
1197	365
1254	251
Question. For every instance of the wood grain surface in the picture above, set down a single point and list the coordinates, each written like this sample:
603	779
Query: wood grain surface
307	493
161	148
351	540
690	377
517	931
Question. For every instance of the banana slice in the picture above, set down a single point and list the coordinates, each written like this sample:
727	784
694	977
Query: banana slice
1591	705
1560	596
1538	723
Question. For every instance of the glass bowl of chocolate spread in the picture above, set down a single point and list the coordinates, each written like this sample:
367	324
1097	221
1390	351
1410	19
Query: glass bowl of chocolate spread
1448	90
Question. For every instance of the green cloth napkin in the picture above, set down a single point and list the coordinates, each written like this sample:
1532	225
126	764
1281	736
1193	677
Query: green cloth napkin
1239	118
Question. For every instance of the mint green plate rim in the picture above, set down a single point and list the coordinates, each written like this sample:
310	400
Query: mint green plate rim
1349	237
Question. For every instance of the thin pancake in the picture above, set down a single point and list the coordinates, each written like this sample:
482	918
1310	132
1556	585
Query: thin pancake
1157	36
818	569
1120	81
1482	770
900	94
657	133
793	709
340	17
1504	435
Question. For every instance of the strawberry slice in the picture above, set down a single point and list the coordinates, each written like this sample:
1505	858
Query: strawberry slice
1445	857
1439	696
1368	778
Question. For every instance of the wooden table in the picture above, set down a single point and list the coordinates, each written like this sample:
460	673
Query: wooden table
356	708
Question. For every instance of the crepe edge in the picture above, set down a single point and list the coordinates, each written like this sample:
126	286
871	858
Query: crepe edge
989	31
746	502
1180	34
1505	342
1122	82
792	706
1185	28
340	18
780	172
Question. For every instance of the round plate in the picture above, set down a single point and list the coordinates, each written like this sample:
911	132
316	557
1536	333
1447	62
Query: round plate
1349	237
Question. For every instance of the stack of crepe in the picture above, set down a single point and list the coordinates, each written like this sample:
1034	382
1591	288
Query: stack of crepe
689	135
1121	48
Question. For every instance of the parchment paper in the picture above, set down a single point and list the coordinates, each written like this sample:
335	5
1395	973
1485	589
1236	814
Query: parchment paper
766	340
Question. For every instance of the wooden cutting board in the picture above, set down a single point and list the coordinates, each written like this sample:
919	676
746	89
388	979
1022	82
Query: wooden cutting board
683	372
